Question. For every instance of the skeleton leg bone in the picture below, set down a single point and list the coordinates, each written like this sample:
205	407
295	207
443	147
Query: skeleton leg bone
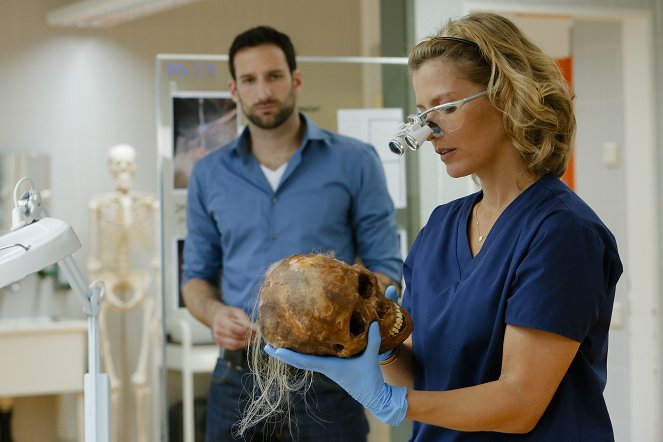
139	377
115	381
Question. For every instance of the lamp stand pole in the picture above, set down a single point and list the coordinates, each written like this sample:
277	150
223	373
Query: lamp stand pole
96	385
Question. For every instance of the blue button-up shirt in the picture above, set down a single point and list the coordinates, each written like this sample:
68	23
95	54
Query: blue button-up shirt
332	198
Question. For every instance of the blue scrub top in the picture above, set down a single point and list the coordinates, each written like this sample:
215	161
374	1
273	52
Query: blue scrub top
549	263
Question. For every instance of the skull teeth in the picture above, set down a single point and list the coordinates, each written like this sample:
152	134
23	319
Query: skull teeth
398	324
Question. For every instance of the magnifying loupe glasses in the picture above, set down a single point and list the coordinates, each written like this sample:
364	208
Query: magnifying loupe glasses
447	117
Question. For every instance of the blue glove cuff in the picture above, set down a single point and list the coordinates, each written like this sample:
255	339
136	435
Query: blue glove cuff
384	356
392	405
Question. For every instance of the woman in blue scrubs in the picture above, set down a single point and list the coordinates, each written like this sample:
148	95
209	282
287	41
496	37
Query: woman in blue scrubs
511	288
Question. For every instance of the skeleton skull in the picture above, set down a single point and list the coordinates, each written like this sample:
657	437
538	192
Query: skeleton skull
318	305
122	163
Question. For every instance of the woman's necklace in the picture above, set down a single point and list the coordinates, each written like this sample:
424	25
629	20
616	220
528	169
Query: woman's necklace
476	210
476	219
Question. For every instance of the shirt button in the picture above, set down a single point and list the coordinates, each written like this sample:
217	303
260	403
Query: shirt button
274	237
274	200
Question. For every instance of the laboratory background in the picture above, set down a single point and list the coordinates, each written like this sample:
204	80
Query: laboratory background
101	99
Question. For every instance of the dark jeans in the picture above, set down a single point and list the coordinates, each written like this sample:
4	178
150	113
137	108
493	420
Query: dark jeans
329	414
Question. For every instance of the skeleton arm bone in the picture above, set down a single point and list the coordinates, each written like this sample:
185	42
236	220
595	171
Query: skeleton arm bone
94	264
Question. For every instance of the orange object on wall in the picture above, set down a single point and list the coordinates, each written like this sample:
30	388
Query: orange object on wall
566	66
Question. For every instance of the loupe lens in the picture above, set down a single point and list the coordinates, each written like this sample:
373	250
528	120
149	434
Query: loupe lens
417	137
411	142
397	146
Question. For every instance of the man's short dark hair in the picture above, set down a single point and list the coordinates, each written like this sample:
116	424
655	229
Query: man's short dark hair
261	35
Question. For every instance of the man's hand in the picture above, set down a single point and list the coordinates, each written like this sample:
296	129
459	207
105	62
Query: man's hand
232	328
385	282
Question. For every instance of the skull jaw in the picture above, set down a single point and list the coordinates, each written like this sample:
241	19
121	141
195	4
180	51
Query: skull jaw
392	334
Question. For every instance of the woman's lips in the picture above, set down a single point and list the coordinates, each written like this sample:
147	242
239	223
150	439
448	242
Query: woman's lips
445	153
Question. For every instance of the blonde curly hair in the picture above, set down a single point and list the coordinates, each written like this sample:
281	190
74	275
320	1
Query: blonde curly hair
525	84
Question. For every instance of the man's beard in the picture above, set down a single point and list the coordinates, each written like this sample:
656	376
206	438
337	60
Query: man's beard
272	121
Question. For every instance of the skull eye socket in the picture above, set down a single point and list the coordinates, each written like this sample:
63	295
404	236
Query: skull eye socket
365	286
357	324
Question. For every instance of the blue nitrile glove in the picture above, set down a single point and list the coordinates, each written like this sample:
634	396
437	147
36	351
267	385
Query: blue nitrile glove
391	294
360	376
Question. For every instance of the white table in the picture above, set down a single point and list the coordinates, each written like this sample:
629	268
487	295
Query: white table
43	356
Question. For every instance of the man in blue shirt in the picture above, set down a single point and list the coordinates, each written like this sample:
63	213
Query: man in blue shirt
285	186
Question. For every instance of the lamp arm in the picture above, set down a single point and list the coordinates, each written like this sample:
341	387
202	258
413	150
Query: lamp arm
91	295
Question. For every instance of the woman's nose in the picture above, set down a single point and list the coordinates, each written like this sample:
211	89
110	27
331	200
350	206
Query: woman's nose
437	132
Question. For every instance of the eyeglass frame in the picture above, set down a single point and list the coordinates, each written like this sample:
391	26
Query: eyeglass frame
445	106
417	129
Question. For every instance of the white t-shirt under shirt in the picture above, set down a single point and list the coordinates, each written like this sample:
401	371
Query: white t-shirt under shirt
274	176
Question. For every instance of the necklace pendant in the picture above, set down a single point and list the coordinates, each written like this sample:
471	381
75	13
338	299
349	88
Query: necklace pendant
481	237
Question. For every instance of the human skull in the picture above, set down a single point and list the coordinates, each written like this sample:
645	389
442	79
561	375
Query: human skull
122	164
318	305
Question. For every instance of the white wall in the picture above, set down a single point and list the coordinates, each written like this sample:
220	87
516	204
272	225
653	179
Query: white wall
598	80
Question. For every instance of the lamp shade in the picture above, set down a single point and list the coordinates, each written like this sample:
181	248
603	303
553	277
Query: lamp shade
33	247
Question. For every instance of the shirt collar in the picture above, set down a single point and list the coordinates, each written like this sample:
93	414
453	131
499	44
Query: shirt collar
311	133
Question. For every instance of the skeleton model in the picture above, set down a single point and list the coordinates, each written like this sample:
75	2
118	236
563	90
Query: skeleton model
317	305
123	232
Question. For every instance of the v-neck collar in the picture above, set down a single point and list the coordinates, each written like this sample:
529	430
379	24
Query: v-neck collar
467	262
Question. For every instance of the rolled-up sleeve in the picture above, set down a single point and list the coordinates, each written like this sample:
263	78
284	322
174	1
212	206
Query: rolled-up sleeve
202	246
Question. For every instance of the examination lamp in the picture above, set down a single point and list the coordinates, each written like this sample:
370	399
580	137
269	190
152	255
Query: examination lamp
35	242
